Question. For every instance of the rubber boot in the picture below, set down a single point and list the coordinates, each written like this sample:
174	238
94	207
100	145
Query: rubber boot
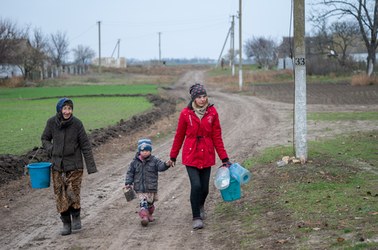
66	219
151	210
76	221
144	214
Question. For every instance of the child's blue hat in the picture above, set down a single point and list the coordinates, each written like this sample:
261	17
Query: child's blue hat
144	144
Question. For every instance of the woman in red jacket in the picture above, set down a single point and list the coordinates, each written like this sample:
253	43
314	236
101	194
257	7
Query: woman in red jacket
199	134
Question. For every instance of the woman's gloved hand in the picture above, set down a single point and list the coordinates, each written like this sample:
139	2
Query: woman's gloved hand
227	164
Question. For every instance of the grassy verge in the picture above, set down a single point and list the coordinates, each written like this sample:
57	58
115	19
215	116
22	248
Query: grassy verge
342	116
331	202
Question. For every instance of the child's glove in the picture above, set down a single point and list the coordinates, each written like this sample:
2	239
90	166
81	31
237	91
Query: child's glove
128	186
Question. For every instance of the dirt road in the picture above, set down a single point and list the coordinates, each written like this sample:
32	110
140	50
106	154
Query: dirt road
29	219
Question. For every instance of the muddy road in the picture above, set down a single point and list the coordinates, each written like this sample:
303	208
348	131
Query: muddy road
29	219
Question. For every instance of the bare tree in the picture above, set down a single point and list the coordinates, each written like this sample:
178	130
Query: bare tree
83	54
58	48
36	55
263	50
365	12
344	37
320	43
10	36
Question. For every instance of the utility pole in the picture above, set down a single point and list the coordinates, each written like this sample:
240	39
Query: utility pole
240	48
159	47
232	46
300	119
99	46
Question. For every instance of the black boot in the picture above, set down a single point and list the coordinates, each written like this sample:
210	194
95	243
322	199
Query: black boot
66	219
76	221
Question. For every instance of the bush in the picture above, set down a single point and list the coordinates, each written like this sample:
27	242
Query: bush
363	80
12	82
320	65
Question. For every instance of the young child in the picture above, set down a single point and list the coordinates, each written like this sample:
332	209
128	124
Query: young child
142	176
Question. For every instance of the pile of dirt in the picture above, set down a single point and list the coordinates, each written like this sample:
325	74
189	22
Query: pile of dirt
12	166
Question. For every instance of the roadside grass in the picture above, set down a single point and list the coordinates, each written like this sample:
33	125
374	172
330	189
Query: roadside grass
342	116
331	202
24	111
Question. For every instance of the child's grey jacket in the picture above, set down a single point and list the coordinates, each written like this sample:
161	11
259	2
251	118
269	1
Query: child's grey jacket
144	175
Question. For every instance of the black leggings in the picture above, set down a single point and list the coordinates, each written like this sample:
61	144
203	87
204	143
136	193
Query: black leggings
199	182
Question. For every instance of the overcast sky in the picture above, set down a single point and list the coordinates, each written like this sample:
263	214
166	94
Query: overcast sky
189	29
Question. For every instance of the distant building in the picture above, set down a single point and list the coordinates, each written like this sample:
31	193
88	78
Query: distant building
285	63
11	62
316	47
111	62
9	71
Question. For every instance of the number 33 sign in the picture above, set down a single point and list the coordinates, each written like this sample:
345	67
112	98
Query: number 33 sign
300	61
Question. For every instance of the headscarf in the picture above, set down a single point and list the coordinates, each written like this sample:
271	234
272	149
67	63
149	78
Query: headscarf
62	102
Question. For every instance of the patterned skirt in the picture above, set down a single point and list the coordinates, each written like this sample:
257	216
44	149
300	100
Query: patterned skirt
67	186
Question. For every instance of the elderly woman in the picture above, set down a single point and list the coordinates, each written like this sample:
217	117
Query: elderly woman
66	141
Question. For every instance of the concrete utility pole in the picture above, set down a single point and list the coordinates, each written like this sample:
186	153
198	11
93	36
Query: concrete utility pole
99	46
232	46
300	119
240	48
159	47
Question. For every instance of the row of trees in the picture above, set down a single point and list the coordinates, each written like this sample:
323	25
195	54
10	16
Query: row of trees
32	50
357	27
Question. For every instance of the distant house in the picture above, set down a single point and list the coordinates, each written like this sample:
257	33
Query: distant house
359	53
285	63
111	62
11	63
314	47
9	71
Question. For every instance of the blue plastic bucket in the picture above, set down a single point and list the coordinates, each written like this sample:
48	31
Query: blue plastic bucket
233	192
39	174
239	173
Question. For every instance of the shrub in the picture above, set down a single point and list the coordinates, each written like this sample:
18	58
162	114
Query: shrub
363	80
12	82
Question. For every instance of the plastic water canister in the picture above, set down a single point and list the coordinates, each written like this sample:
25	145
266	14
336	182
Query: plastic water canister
222	178
241	174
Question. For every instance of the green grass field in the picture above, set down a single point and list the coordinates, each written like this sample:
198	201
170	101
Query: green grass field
24	111
27	93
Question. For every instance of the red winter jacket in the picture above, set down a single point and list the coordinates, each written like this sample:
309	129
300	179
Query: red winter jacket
200	138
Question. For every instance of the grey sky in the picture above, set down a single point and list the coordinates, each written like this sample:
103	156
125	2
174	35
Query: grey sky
189	29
